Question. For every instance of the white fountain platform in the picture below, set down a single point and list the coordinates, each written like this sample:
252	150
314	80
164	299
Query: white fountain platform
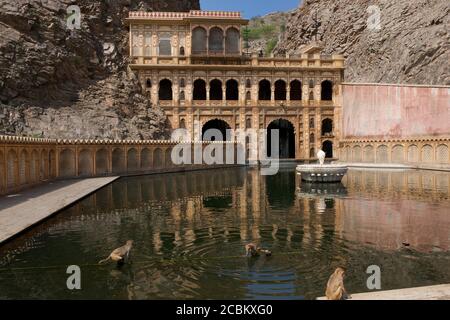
322	173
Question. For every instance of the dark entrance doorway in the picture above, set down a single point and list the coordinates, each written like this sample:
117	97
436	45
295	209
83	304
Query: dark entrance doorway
327	147
218	124
287	138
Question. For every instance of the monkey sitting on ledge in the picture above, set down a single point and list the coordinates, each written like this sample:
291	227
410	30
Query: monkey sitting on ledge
252	250
119	255
335	286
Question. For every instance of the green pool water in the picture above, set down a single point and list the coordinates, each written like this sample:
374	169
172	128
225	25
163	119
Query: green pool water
189	232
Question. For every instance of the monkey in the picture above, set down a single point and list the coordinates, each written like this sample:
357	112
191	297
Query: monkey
335	286
254	251
120	254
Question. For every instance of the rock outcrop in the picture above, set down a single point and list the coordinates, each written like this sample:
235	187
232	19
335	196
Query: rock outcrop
62	83
412	45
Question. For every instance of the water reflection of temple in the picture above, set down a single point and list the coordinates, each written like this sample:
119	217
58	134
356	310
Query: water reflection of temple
384	209
212	213
396	207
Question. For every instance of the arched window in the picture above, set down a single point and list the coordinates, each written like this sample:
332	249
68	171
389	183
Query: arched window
182	96
148	83
182	83
311	95
248	83
296	90
327	90
311	123
199	90
265	92
280	90
165	46
182	53
248	123
165	90
199	40
183	124
232	90
248	96
216	40
311	84
312	138
215	90
233	41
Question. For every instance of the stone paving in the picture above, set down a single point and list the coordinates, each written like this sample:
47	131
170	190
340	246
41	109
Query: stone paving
438	292
26	208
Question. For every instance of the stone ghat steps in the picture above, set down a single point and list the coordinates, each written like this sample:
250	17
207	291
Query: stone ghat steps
438	292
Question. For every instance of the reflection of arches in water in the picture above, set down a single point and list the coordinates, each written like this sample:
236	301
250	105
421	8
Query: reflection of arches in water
281	189
218	202
218	124
286	141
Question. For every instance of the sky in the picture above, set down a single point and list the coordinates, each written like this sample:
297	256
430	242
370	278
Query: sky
250	8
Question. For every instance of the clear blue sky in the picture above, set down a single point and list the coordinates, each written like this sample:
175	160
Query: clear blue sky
250	8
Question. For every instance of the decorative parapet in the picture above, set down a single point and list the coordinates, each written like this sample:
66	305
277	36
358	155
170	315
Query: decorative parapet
398	140
30	140
25	140
184	15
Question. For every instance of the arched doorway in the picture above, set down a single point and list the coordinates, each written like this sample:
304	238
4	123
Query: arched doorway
296	90
199	39
215	90
218	124
327	90
232	41
232	90
280	90
165	90
199	90
265	91
215	40
327	147
287	138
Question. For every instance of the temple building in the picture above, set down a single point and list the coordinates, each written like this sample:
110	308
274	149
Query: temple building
194	66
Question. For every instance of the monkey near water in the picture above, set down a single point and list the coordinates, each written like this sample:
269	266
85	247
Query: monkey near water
119	255
335	286
252	250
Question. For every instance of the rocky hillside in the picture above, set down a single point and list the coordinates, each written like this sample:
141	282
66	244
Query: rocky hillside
264	32
59	83
412	46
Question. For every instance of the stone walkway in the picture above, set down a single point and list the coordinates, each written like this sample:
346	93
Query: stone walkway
433	167
28	207
439	292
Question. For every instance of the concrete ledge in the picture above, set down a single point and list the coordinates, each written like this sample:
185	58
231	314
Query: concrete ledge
439	292
20	211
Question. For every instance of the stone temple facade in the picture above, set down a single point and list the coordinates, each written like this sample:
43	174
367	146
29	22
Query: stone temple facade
194	66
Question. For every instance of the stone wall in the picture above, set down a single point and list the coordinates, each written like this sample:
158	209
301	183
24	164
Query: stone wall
25	162
395	111
402	124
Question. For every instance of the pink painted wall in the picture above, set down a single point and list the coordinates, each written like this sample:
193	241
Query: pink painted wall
395	111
